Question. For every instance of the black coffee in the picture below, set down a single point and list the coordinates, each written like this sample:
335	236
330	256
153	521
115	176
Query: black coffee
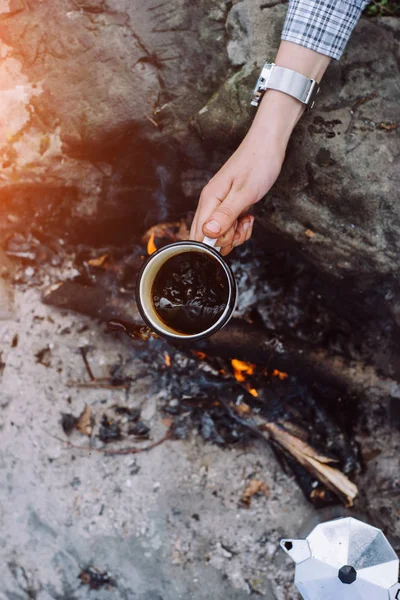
190	292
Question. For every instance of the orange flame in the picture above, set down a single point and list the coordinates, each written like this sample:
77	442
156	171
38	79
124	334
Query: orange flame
279	374
252	391
151	247
167	359
240	369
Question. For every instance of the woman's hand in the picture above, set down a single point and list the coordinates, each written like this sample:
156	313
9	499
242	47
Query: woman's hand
252	170
248	175
244	179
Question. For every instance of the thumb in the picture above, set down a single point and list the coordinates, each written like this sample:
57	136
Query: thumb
224	217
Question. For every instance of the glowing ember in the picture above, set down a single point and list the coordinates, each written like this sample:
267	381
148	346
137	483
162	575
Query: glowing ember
252	391
151	247
241	369
280	374
99	261
200	355
167	359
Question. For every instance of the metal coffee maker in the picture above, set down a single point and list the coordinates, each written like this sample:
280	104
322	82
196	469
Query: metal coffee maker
345	559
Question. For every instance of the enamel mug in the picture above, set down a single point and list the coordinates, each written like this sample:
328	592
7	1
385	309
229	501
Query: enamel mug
147	275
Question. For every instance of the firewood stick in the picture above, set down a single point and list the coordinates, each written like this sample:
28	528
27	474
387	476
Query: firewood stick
315	464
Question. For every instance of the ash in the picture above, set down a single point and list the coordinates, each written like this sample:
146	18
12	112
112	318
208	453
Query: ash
171	522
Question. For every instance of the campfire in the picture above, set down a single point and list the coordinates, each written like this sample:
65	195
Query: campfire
249	383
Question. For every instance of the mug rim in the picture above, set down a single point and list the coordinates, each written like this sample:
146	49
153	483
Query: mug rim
223	319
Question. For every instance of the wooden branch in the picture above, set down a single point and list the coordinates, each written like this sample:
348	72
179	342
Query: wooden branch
315	464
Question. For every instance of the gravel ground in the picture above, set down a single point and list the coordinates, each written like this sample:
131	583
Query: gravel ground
165	524
159	525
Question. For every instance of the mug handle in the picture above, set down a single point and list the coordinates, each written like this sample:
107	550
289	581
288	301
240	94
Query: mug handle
211	242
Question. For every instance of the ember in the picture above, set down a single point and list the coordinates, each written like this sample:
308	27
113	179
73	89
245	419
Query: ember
282	376
252	391
241	369
167	359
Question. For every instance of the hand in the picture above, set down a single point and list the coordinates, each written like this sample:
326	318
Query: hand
244	179
251	171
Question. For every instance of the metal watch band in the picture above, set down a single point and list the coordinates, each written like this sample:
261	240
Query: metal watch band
287	81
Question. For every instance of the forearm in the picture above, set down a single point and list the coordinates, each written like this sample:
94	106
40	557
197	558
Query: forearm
315	31
278	112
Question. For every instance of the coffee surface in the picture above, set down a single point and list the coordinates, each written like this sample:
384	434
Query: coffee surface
190	292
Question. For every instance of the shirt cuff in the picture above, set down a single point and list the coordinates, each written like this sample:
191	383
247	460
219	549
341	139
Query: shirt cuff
322	25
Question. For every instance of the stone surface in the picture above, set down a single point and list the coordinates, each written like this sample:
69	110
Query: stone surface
341	176
83	84
116	114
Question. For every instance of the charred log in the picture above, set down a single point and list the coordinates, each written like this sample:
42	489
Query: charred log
238	340
91	301
261	346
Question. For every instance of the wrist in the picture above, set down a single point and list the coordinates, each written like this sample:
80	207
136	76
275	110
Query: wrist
276	117
278	112
303	60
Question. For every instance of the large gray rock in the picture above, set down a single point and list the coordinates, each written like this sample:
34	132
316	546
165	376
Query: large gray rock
341	177
113	112
84	82
103	65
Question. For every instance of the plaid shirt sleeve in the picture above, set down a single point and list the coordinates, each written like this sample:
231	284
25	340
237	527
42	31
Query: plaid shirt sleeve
322	25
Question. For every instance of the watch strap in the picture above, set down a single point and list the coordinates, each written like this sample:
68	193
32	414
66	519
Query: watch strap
293	83
287	81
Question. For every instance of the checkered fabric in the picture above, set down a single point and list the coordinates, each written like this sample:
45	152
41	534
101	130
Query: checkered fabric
322	25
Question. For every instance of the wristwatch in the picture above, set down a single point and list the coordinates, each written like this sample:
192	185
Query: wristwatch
287	81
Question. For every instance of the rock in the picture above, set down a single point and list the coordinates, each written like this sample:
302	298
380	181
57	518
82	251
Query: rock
118	118
85	84
254	31
340	177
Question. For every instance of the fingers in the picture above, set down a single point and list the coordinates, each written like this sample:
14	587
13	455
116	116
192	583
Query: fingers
211	197
243	233
244	230
226	240
226	213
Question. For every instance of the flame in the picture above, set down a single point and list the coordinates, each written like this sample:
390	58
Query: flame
240	369
252	391
279	374
167	359
151	247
